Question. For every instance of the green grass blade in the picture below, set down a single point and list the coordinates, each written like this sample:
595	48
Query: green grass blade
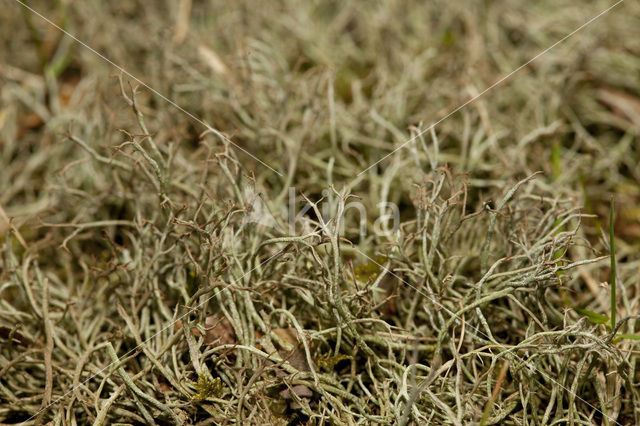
613	267
594	317
626	336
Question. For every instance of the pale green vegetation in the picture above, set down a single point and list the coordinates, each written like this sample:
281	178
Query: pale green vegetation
133	289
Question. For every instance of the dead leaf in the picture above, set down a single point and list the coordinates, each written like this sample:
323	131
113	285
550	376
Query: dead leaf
164	386
218	331
182	21
301	391
622	104
296	357
294	354
4	113
67	89
27	122
212	59
289	335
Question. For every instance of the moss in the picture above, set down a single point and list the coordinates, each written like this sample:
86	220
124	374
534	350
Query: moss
208	388
329	361
369	270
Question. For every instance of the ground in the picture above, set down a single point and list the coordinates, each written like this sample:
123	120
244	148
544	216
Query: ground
334	212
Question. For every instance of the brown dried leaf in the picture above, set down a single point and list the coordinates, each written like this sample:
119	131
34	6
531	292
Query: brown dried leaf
296	356
212	59
182	21
623	104
301	391
218	331
28	122
289	335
